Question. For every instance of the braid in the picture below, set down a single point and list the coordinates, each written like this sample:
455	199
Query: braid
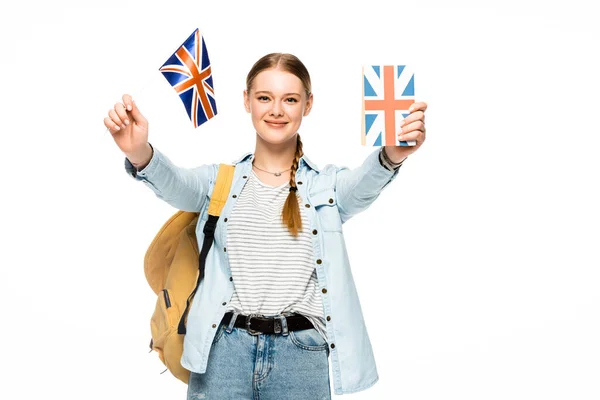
291	211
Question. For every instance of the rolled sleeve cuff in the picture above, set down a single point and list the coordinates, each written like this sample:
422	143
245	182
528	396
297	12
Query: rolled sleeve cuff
147	171
379	170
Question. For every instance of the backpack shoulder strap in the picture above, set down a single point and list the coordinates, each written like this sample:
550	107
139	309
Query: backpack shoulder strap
221	189
217	202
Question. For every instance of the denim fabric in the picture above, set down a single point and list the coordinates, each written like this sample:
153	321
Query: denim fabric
331	196
290	365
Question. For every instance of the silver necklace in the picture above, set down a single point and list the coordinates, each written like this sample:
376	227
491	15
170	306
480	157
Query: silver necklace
274	173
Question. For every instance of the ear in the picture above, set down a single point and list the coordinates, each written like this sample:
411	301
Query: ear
246	101
308	105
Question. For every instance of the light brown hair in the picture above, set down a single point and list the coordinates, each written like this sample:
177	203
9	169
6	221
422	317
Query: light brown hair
290	215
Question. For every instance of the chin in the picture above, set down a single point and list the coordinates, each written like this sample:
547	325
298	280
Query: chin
276	138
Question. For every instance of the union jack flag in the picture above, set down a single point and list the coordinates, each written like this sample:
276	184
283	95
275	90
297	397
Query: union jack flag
188	71
388	92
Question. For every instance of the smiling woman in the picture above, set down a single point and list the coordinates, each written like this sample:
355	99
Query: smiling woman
276	111
277	96
279	299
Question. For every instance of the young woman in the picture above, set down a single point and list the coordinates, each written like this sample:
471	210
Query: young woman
278	298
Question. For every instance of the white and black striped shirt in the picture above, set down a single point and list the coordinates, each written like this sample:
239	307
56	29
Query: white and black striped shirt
273	272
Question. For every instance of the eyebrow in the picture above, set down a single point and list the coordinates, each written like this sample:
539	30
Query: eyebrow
266	91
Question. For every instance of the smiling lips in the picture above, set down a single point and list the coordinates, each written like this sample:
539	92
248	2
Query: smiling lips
276	124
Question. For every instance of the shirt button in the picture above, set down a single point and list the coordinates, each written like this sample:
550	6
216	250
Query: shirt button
231	278
319	261
324	290
224	248
299	182
328	318
244	177
214	325
225	220
307	205
330	201
224	303
314	231
333	345
234	196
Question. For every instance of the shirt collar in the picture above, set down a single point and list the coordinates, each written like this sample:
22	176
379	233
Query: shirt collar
249	156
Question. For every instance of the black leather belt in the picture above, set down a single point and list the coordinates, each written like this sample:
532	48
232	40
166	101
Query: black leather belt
256	325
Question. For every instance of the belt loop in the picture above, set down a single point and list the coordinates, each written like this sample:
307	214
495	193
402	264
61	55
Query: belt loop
232	322
284	326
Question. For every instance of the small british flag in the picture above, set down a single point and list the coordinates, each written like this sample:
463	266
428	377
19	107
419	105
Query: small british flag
388	92
188	71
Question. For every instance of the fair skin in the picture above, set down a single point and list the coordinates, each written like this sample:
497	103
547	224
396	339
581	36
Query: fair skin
129	130
277	102
412	128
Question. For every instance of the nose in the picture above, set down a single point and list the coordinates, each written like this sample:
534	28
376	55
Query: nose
276	110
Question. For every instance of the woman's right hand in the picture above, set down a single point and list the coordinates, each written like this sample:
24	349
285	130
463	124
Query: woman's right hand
129	129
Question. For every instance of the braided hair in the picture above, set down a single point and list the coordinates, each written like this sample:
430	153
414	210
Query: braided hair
290	215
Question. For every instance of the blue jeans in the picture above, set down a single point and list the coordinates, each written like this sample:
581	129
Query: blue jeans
291	365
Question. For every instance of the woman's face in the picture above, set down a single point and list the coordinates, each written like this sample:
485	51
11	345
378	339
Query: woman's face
277	102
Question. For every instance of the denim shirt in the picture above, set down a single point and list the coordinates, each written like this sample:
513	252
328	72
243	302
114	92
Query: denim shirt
331	195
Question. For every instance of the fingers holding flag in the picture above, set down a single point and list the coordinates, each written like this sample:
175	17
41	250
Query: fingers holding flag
127	101
413	126
127	125
123	114
118	117
110	125
133	110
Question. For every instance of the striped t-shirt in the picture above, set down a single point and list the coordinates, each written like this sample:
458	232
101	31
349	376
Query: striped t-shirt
273	272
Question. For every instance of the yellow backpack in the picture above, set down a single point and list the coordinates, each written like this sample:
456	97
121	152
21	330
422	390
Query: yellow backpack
174	269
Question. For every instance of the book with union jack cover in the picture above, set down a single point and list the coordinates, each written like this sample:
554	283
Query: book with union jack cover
388	92
189	73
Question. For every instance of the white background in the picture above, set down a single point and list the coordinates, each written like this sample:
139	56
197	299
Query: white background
477	269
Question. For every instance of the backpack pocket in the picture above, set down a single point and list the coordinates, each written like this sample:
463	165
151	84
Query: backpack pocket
166	341
164	322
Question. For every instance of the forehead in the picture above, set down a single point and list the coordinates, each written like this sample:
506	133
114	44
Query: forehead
277	81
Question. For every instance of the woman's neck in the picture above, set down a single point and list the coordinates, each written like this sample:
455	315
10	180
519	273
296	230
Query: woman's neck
274	157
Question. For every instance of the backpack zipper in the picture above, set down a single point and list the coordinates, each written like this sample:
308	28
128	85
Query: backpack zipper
167	299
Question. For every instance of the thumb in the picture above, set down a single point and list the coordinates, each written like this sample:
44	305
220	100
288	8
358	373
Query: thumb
137	114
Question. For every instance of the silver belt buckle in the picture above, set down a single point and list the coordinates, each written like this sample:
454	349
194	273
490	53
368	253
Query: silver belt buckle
250	331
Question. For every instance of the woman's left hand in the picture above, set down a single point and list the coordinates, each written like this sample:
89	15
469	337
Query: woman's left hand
413	128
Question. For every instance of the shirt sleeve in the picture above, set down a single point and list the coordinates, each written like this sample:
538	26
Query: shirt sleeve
356	189
183	188
385	164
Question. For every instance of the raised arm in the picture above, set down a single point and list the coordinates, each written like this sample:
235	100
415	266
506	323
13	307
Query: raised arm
183	188
356	189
